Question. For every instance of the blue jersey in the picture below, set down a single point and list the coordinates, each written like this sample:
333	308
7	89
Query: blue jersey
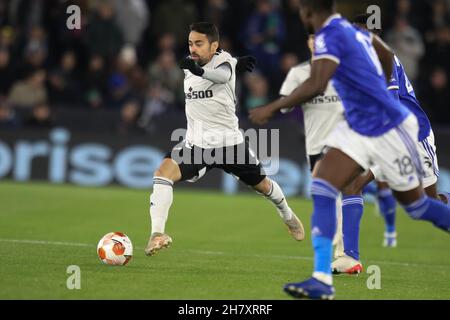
402	89
359	79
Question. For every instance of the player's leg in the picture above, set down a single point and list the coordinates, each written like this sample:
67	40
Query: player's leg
161	198
273	192
333	173
352	210
387	205
160	202
404	173
247	168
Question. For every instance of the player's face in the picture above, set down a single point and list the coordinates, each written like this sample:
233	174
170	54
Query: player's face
200	48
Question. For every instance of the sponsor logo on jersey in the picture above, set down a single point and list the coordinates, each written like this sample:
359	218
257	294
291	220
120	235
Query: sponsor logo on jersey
325	99
198	94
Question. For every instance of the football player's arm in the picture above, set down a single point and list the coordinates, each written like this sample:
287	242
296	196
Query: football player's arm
385	54
221	74
321	72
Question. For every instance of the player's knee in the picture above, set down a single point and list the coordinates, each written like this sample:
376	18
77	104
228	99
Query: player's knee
264	186
352	190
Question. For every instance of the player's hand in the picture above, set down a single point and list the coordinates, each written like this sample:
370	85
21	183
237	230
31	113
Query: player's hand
261	115
192	66
245	64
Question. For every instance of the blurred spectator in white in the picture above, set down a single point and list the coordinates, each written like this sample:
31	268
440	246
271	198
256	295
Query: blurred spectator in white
258	91
8	116
103	36
264	35
6	72
408	46
166	72
31	91
132	17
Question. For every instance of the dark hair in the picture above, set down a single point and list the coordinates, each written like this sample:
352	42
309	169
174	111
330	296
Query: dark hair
206	28
319	5
362	19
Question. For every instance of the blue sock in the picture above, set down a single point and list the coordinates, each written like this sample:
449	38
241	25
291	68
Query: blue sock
431	210
323	224
352	210
370	188
387	204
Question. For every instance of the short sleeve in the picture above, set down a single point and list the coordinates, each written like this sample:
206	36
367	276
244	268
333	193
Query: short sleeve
327	45
394	83
294	78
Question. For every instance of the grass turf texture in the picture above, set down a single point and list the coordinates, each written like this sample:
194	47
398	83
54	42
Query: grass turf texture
225	247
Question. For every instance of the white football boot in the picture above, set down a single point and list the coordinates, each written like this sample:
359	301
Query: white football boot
295	228
346	264
157	242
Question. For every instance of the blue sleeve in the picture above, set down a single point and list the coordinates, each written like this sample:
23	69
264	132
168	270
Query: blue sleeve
327	45
394	83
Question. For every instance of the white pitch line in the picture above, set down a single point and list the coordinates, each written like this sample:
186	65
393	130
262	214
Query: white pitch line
216	253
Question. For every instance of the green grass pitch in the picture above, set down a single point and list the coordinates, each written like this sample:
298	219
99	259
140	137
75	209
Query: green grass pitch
225	247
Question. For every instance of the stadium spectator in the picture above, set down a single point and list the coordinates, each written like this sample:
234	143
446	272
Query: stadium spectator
132	17
41	117
258	88
6	72
408	46
103	36
437	96
166	72
264	34
174	16
296	34
128	118
64	82
31	91
8	117
158	101
95	82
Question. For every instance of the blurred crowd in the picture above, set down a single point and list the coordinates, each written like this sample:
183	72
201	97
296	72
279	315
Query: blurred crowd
124	58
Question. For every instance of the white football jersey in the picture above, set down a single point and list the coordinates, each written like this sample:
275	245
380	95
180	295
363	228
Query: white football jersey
211	107
321	114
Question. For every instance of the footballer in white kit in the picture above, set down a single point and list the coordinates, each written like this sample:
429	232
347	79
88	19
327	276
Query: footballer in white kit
321	114
213	139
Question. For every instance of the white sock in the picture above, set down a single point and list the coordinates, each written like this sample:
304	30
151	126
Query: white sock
277	197
323	277
160	202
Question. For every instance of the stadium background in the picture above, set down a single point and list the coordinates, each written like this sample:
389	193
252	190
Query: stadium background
96	106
